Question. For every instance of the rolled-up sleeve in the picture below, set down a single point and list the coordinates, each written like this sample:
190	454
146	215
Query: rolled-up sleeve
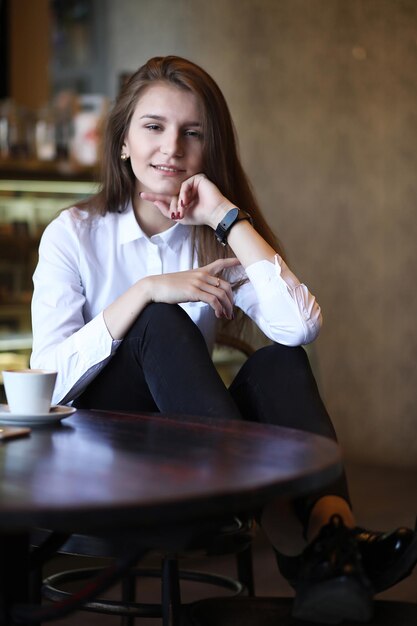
63	339
279	304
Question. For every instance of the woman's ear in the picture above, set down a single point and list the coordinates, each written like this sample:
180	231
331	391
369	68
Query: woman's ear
124	154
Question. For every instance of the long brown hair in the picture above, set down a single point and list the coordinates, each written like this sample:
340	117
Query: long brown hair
220	155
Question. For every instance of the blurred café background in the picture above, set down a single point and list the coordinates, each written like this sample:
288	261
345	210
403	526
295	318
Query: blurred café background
324	98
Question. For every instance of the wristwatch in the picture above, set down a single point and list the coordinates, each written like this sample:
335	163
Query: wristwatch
230	219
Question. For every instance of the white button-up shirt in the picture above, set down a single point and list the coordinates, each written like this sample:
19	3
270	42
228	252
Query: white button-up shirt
86	262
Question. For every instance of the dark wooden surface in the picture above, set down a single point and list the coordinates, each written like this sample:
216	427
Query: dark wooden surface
277	612
99	470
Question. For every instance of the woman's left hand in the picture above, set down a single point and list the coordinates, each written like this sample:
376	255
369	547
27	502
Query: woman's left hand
198	202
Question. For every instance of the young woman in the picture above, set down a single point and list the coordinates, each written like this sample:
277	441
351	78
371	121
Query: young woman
132	284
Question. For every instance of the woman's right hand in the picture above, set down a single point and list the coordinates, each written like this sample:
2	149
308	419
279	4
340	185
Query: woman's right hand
198	285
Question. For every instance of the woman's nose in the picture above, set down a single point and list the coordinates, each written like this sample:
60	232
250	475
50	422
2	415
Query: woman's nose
172	145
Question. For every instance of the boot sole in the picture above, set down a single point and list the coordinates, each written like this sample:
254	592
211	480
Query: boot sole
333	601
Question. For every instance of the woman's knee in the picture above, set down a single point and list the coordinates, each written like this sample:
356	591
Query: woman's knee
278	384
279	358
161	318
162	327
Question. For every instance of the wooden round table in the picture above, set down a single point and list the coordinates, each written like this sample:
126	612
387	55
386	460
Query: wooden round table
101	469
104	471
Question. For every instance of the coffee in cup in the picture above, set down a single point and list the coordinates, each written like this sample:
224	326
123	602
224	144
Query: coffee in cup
29	392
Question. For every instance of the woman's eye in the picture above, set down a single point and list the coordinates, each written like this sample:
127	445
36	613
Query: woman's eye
153	127
193	133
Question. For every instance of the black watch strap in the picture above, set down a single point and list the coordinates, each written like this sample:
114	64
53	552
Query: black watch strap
232	217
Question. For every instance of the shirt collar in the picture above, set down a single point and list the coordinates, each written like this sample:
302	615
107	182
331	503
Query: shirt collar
129	230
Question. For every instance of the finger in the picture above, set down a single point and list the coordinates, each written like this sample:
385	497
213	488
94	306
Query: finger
161	201
201	291
189	189
226	297
184	203
183	196
230	262
217	266
173	209
220	308
221	293
156	197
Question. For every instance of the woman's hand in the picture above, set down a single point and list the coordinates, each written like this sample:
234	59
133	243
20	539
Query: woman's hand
198	202
198	285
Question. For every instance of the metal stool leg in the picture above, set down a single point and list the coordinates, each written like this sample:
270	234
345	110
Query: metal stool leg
171	595
244	563
128	585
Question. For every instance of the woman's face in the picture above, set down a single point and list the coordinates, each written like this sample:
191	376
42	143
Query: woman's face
164	140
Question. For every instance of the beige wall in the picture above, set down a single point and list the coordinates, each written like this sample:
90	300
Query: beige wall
324	96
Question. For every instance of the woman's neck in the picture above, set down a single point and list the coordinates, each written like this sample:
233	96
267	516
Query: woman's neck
150	219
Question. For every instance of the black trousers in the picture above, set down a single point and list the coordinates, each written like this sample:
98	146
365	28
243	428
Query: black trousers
163	365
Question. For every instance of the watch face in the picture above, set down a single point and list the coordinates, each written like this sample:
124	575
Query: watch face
230	217
227	222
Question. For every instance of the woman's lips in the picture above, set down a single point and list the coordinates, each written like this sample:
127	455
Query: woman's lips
167	169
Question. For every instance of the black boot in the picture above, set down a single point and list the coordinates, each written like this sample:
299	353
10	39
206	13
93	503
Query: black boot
328	578
387	558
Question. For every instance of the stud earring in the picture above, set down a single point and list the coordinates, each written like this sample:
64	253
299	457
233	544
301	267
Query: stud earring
124	156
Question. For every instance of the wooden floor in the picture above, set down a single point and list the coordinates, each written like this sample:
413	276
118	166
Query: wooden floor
383	498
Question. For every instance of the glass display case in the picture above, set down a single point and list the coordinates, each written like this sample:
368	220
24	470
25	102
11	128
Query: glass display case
31	194
27	205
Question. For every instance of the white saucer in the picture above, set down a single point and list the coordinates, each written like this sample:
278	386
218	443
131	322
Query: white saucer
56	414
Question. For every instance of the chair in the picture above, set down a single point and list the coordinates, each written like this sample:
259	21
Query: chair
230	537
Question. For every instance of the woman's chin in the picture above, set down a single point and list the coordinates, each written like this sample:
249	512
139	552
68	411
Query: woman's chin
165	187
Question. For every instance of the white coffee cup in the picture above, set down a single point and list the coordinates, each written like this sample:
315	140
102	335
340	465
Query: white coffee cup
29	392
